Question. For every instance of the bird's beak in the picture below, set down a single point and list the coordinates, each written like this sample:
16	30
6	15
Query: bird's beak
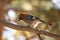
18	19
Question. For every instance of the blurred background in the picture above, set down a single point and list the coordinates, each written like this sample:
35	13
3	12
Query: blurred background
47	10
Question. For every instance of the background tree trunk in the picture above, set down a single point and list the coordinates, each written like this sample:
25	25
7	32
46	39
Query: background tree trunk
2	17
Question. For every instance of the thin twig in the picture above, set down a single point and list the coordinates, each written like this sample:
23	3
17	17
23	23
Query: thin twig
39	37
26	28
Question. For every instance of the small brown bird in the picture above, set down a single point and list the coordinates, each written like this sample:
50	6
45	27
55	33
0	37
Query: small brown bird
32	21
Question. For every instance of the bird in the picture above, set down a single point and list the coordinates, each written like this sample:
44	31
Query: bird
31	20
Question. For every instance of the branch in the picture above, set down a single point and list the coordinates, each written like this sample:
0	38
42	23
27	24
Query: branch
27	28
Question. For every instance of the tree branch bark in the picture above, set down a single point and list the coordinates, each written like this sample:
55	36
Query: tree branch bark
27	28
